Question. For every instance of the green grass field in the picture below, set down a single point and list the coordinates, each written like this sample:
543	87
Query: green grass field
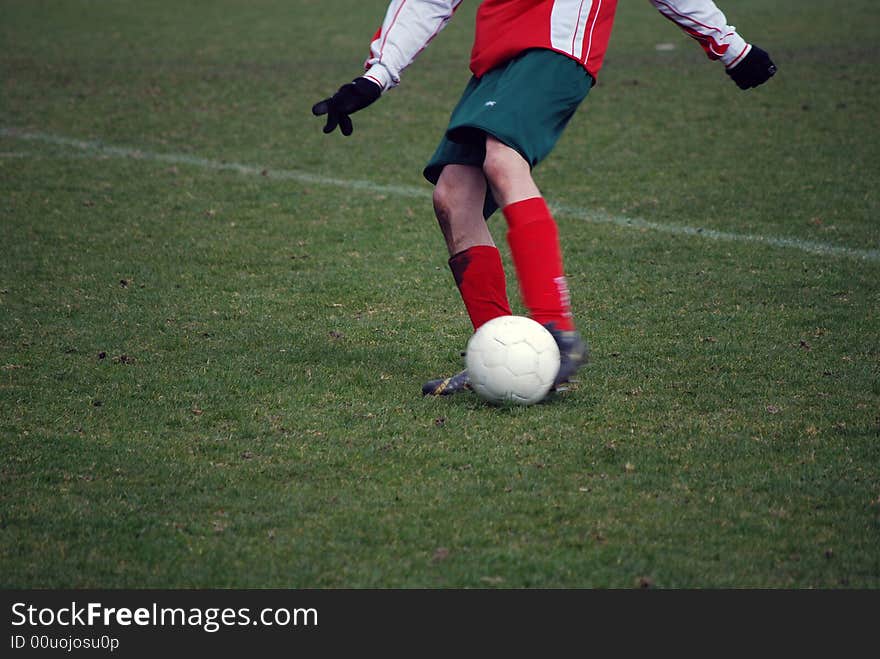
215	320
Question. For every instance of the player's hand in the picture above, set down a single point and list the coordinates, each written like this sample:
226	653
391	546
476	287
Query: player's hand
755	69
351	97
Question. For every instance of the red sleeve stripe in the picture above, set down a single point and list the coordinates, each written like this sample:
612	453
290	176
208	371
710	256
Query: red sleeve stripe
688	18
739	57
390	26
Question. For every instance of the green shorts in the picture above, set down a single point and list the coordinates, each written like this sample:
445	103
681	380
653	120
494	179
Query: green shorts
525	103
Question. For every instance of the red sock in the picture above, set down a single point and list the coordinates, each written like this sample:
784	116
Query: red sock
479	276
537	257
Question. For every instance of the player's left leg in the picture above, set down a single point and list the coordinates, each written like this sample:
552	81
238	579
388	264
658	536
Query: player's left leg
532	235
533	238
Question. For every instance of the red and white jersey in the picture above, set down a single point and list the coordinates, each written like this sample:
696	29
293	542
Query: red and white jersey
579	29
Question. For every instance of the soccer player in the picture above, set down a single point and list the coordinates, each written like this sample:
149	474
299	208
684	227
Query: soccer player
533	63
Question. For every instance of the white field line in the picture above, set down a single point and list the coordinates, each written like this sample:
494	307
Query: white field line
595	217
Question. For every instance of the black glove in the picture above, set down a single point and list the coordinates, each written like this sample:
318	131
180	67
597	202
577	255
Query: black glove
351	97
755	69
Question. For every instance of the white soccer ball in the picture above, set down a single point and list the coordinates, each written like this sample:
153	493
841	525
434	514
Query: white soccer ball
512	359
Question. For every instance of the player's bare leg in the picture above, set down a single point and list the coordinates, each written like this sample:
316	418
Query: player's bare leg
508	174
474	259
458	205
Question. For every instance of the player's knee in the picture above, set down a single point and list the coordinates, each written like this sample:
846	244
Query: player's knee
496	167
443	202
508	173
444	207
503	166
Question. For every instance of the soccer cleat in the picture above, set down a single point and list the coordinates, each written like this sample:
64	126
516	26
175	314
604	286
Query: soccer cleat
447	386
573	353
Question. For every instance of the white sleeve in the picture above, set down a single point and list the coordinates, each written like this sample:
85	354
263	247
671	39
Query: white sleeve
706	23
408	28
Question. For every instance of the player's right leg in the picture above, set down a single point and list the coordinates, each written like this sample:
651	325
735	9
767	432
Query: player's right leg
458	204
474	260
473	257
